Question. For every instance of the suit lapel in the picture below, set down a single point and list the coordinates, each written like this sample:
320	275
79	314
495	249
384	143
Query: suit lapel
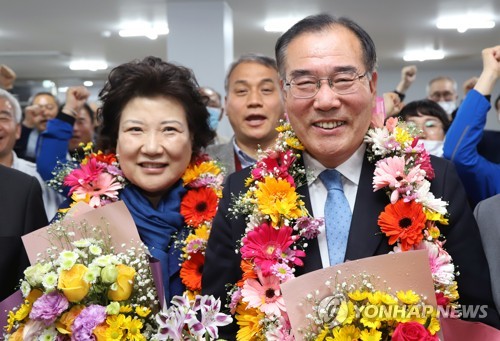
365	235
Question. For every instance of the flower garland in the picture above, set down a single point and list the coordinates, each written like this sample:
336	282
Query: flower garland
97	180
278	224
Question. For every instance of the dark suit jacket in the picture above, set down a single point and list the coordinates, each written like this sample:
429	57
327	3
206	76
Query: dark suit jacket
21	212
222	264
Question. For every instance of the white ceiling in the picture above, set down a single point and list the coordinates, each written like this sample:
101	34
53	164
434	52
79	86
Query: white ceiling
73	29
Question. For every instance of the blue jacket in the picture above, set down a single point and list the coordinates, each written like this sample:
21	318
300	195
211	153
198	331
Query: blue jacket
481	178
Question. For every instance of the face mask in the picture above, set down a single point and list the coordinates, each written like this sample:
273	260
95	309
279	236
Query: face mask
448	106
213	119
433	147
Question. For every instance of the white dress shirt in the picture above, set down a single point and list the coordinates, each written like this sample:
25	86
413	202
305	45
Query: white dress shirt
351	171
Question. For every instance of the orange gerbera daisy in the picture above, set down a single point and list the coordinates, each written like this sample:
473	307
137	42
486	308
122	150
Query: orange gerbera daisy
191	271
248	272
403	222
199	205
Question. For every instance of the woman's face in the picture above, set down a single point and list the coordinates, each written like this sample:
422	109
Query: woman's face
154	144
431	127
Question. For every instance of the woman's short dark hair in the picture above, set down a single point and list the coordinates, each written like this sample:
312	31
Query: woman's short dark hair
425	107
152	77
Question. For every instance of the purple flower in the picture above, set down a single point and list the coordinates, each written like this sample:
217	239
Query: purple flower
211	318
48	307
86	321
309	227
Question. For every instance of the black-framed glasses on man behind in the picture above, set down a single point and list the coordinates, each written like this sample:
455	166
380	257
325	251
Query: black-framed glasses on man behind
307	86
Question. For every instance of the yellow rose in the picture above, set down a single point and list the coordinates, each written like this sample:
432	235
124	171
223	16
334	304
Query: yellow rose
122	288
71	282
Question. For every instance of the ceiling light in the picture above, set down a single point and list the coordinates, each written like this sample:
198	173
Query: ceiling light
279	25
462	24
88	83
90	65
423	55
141	29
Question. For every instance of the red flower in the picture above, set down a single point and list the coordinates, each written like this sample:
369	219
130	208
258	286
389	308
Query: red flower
191	271
403	222
412	331
199	205
106	158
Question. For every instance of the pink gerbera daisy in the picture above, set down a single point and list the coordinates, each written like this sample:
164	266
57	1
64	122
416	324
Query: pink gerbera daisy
86	174
104	185
266	245
264	294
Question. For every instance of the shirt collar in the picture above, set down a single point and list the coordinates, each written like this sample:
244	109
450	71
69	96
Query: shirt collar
350	169
245	159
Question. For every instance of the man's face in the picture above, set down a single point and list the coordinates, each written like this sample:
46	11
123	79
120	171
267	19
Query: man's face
442	90
9	129
330	126
49	109
253	103
83	130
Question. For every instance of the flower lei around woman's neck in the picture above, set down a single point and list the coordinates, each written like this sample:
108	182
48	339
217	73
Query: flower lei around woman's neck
279	225
96	179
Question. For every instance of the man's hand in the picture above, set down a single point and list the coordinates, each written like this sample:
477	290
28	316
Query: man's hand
76	97
30	113
408	76
469	84
491	70
7	77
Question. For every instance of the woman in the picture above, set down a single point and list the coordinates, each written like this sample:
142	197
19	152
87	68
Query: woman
431	120
154	119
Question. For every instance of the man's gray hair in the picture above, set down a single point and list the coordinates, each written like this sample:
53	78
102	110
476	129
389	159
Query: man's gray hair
250	58
15	104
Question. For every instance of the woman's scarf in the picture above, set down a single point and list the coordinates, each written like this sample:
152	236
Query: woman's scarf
156	228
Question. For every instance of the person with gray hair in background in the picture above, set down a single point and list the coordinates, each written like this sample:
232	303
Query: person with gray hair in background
10	131
254	106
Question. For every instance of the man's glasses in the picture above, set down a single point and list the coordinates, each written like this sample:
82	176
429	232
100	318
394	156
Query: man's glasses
342	83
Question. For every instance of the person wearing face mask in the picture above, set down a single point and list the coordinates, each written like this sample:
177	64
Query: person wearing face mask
214	107
443	91
431	120
481	177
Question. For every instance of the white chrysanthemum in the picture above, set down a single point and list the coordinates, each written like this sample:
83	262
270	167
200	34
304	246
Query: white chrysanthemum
81	243
25	288
104	260
90	277
67	259
95	250
48	334
34	274
113	308
50	280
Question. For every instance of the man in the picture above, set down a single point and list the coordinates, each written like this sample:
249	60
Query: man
72	125
43	107
21	212
332	127
214	107
10	121
254	107
443	90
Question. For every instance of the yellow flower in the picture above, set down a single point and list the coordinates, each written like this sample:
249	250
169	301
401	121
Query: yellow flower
72	284
22	312
346	313
375	297
408	297
322	335
113	333
434	216
142	311
358	295
116	321
402	136
134	330
388	299
346	333
434	232
294	143
372	335
125	309
193	172
122	288
370	316
278	199
249	322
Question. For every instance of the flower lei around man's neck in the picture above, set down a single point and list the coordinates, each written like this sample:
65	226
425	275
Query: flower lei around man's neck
279	225
96	179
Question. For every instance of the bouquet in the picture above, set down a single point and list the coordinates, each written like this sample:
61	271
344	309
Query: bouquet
83	289
94	178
